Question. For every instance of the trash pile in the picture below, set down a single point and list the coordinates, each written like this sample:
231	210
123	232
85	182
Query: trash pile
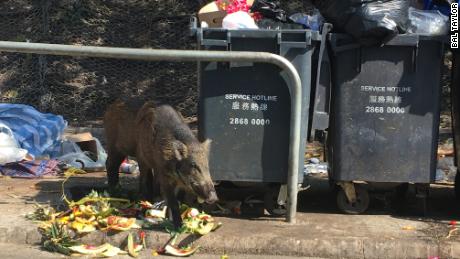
371	22
255	14
61	231
34	144
445	167
315	166
427	22
376	22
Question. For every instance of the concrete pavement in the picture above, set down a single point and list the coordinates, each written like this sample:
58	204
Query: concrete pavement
10	251
320	231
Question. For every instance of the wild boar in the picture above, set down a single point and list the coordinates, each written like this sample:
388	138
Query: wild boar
163	143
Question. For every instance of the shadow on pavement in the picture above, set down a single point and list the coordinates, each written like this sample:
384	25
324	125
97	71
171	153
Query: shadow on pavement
319	198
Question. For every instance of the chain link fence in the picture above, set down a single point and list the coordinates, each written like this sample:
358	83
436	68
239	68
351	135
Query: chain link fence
80	88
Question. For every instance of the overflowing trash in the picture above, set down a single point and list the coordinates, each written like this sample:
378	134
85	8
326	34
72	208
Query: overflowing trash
370	22
233	6
428	22
239	20
255	14
269	10
440	5
314	21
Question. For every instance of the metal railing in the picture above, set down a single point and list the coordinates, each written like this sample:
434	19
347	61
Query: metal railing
193	56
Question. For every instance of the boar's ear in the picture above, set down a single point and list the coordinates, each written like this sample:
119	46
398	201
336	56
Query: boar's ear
207	145
180	150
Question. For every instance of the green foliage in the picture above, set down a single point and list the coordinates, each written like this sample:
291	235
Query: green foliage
57	239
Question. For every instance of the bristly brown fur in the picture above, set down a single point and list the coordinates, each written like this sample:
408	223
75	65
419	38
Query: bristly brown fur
161	141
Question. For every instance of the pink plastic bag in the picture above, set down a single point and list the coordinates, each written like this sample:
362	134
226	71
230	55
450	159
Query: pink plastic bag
233	6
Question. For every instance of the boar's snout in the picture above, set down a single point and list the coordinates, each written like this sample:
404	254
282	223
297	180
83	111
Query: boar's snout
194	168
206	192
212	197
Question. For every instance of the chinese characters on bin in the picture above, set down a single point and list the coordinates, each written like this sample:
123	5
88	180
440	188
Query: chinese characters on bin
254	103
385	99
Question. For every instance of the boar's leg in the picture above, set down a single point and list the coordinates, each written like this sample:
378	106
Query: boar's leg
114	160
156	193
168	191
173	205
146	182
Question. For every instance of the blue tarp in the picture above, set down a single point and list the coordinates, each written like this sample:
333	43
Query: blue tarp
36	132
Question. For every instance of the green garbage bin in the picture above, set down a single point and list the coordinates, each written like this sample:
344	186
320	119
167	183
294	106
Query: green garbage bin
244	108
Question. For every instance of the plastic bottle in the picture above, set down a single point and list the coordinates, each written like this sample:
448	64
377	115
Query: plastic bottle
128	167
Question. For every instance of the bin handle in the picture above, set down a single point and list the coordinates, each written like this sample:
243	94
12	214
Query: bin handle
403	40
414	58
295	44
327	27
193	26
359	59
195	30
214	42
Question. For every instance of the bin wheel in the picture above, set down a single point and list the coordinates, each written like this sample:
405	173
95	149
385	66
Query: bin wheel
332	184
401	190
421	194
457	185
358	207
421	206
400	199
271	203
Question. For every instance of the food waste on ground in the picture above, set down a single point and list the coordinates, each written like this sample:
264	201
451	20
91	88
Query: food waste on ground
100	212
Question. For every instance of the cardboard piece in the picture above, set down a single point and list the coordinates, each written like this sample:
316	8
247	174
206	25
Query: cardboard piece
213	19
213	15
85	141
79	137
211	7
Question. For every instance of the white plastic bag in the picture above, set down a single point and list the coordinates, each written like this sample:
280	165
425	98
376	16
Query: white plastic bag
239	20
10	150
428	22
